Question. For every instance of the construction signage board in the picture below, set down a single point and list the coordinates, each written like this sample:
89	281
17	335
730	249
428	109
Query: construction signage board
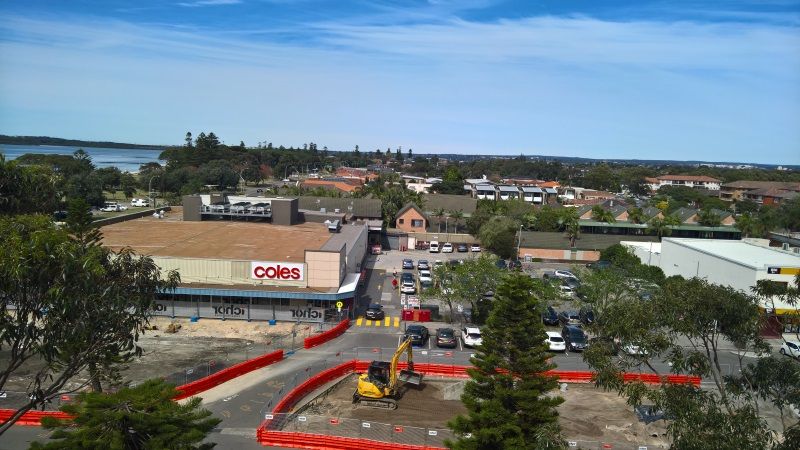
783	270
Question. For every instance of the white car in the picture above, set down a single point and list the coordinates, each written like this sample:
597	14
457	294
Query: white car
112	207
791	348
471	336
555	342
447	248
140	202
634	350
434	247
425	277
564	274
408	286
475	248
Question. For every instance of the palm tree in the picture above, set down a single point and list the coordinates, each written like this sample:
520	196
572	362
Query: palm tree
599	214
439	213
457	216
636	215
709	218
662	227
750	225
570	224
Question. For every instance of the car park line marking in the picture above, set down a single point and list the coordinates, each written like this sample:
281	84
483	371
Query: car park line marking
429	344
387	321
377	323
359	321
397	322
460	347
398	340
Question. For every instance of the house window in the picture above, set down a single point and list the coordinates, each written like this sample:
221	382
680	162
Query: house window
416	223
400	221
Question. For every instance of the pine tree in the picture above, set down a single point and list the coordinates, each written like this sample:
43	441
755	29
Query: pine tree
506	397
143	417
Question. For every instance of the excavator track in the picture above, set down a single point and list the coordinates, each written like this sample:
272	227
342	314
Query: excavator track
380	403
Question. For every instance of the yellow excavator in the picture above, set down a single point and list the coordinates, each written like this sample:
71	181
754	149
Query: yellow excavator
379	387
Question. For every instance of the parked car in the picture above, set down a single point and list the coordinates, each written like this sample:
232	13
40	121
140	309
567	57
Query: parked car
446	337
549	317
566	290
408	285
564	274
418	333
555	342
422	264
597	265
587	315
434	247
501	263
375	312
408	264
59	216
112	207
447	248
425	276
140	202
791	348
633	350
471	336
461	248
375	249
574	338
475	248
569	318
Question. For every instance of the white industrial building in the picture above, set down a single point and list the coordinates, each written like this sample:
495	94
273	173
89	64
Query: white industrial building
738	264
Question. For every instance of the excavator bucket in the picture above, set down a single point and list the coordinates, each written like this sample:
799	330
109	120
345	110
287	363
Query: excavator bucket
411	377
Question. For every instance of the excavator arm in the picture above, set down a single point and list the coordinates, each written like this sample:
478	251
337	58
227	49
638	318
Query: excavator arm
408	375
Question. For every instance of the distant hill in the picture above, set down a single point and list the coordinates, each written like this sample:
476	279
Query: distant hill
46	140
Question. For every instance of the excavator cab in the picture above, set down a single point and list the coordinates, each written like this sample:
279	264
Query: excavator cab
379	386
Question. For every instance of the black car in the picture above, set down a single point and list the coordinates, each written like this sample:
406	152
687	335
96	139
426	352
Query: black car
597	265
549	317
446	337
375	312
462	248
406	276
408	264
587	315
422	264
418	334
501	263
575	338
569	318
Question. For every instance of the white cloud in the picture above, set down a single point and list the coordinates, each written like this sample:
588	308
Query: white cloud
200	3
571	86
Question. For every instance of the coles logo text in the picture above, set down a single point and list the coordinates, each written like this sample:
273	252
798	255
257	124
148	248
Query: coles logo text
276	271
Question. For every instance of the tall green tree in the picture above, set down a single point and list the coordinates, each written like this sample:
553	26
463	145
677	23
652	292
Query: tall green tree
499	236
708	218
570	223
26	189
143	417
457	215
77	306
636	215
662	227
506	396
600	214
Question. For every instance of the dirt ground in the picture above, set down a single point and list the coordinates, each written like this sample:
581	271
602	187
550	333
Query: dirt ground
587	414
193	346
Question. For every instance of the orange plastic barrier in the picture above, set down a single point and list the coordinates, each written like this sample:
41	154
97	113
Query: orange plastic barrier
33	418
303	389
325	442
227	374
322	338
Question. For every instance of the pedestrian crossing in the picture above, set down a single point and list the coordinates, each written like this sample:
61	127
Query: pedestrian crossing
386	322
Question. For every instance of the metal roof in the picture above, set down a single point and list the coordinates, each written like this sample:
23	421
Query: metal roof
508	188
551	190
531	189
740	252
485	187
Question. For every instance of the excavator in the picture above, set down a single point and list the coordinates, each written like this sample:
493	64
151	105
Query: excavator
379	387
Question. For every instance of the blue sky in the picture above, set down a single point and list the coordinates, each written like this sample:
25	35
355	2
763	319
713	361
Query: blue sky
712	80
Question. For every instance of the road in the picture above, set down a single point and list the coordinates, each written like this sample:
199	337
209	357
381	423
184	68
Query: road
244	407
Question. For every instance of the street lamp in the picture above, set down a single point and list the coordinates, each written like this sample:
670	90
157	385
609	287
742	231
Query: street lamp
519	240
150	191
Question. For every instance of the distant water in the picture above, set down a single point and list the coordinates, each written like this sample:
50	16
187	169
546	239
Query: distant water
126	160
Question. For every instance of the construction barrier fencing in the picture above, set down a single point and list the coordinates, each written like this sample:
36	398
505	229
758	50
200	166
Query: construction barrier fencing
326	336
33	418
227	374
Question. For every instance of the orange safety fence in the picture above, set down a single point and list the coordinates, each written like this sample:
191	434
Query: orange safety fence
227	374
33	418
326	442
322	338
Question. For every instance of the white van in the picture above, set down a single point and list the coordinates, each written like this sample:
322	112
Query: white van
140	202
434	247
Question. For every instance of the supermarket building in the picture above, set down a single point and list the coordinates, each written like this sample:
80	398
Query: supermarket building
273	262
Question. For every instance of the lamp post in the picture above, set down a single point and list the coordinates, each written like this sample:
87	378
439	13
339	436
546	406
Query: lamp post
150	192
519	240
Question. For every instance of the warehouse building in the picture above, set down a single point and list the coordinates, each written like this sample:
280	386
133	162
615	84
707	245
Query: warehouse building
250	258
738	264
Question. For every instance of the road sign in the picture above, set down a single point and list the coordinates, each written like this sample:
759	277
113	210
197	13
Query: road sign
783	270
339	305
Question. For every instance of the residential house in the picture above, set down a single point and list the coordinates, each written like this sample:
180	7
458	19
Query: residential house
532	194
771	196
692	181
411	218
420	184
734	191
485	192
506	192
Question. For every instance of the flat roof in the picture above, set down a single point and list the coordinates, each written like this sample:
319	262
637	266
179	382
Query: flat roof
740	252
217	239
